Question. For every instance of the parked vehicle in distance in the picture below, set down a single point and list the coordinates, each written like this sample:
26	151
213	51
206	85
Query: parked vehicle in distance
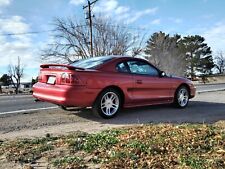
109	83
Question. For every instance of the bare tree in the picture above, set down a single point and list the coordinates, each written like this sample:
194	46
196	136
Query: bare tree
220	62
72	40
138	48
163	51
16	73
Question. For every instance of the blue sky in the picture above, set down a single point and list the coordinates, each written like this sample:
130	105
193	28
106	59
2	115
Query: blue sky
203	17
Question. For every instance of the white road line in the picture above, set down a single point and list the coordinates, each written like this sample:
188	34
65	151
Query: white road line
16	100
28	110
210	90
14	96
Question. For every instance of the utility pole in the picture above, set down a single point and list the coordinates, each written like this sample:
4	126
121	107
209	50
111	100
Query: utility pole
88	6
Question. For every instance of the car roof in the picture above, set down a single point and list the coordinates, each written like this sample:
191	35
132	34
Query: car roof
115	59
118	56
124	57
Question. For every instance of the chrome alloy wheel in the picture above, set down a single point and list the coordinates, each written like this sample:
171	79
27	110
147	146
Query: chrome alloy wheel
110	103
183	97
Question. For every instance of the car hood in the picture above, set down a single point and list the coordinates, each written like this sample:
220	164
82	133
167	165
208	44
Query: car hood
182	79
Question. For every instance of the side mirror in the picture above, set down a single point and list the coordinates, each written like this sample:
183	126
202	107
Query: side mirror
162	74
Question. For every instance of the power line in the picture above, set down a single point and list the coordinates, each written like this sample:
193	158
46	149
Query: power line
25	33
53	30
36	32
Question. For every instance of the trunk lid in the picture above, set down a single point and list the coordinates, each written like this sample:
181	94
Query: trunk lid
59	74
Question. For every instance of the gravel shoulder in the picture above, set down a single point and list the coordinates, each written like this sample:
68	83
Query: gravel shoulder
40	123
204	108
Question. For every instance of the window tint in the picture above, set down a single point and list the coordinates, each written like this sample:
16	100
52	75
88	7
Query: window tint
91	63
139	67
121	67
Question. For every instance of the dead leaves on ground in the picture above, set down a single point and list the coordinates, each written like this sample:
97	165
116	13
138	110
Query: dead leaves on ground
148	146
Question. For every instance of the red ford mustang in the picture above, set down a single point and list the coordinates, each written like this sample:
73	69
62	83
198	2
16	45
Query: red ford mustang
109	83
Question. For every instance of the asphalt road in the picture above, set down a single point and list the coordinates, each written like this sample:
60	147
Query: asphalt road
20	102
208	107
14	104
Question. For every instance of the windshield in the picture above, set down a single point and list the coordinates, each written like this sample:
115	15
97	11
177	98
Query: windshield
91	63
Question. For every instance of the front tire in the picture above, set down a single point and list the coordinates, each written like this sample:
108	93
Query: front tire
181	97
107	104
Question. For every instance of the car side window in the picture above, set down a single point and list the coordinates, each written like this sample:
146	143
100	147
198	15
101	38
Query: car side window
121	67
143	68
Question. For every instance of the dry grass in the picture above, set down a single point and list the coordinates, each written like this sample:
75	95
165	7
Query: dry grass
147	146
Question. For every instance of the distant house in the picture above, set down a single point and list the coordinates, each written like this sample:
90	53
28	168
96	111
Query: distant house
26	85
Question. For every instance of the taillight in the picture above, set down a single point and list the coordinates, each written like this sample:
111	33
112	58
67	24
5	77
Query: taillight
67	78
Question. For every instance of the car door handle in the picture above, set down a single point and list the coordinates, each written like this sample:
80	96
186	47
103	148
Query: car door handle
139	81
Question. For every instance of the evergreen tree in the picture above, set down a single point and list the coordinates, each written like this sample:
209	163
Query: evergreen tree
5	79
198	55
164	52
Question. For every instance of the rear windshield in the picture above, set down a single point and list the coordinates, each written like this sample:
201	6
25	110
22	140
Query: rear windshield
91	63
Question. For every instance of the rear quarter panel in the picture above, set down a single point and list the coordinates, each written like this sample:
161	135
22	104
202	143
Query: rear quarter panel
100	80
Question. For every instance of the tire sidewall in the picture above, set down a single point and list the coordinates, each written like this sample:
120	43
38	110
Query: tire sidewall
176	97
97	104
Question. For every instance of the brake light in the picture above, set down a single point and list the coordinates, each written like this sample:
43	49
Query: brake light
67	78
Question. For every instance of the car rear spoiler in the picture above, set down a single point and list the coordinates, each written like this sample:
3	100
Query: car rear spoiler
61	65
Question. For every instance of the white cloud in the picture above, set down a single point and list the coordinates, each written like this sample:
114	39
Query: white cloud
5	2
20	45
106	6
77	2
140	14
111	8
11	50
215	37
176	20
156	22
207	16
13	24
121	10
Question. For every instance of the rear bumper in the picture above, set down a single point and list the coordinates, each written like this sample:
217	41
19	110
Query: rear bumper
65	95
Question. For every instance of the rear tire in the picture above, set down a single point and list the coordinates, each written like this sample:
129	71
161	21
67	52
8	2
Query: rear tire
181	97
107	104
